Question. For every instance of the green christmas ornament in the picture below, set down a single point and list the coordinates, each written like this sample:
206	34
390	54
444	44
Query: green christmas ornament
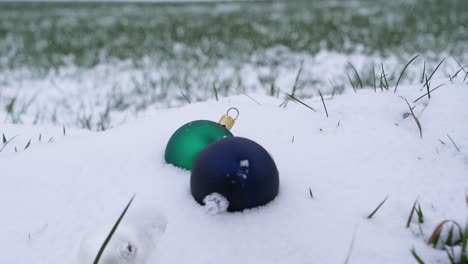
190	139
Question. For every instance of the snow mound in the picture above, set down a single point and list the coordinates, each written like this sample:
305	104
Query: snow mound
53	194
215	203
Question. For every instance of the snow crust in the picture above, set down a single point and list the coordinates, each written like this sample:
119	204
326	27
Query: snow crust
55	194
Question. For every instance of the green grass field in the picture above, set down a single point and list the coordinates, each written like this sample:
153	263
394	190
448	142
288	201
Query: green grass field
48	35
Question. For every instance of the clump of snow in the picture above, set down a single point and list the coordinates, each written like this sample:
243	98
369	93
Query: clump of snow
215	203
132	242
54	193
126	246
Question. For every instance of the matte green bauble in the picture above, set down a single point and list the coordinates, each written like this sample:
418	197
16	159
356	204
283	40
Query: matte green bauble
190	139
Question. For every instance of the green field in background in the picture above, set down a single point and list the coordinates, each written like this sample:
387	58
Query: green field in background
42	36
94	65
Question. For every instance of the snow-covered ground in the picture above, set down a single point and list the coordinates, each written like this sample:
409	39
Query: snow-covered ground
55	194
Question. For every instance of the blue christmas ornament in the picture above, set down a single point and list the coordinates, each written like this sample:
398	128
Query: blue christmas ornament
237	168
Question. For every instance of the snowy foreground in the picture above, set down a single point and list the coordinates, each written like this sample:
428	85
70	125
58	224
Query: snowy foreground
62	198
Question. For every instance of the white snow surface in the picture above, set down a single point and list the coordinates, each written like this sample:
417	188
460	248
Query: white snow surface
54	194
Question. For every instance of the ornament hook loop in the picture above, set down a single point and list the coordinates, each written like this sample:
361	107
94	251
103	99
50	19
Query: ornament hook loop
233	109
227	120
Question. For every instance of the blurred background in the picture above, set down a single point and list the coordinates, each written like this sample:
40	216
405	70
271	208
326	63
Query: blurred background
95	65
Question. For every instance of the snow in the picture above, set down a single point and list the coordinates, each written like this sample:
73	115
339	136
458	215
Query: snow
130	245
215	203
56	195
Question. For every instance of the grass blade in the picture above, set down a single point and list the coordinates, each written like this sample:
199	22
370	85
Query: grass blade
373	75
422	96
215	91
455	145
4	139
6	143
415	255
323	102
352	84
464	253
381	82
403	71
428	88
302	103
411	214
351	247
250	97
434	71
423	72
272	89
384	77
420	214
185	97
434	238
414	117
310	193
296	81
27	145
455	75
450	241
114	228
357	74
451	256
378	207
459	64
333	88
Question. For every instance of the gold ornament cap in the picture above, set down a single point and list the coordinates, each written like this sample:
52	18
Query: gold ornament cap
227	120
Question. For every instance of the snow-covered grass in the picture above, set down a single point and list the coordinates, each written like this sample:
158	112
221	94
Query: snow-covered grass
98	65
109	95
61	199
